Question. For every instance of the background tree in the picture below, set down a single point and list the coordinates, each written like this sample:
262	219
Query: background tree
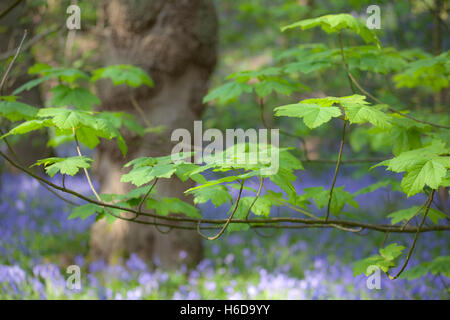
175	42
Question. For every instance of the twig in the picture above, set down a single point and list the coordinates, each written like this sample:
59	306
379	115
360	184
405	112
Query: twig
7	10
217	236
31	42
411	249
268	221
5	75
336	171
256	198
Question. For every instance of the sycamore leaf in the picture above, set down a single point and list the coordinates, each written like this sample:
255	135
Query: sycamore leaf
313	115
373	187
338	201
363	114
262	206
385	260
227	92
406	214
392	251
241	213
85	211
415	272
27	126
440	265
15	111
265	87
140	175
88	137
68	118
165	206
69	166
284	178
80	98
424	166
218	194
123	74
364	266
335	23
433	72
428	173
69	75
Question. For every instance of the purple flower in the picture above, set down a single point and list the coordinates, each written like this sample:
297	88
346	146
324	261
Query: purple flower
134	263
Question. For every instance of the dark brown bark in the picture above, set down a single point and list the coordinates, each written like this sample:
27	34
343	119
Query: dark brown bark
175	42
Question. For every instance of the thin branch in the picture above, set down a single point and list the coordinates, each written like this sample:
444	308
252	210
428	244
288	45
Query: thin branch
411	249
91	185
336	171
375	227
86	173
140	111
5	76
415	214
147	194
31	42
7	10
341	148
256	198
217	236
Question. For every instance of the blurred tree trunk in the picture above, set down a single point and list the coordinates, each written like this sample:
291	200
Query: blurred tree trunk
33	146
175	42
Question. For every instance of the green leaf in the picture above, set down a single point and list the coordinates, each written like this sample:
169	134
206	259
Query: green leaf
88	137
241	213
423	166
143	174
69	75
373	187
80	98
313	115
433	72
441	265
15	111
265	87
429	173
165	206
69	166
262	206
415	272
218	194
391	252
68	118
335	23
406	214
27	126
338	201
85	211
227	92
123	74
362	266
363	114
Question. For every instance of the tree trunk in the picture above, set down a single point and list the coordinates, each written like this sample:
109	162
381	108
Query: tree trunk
175	42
